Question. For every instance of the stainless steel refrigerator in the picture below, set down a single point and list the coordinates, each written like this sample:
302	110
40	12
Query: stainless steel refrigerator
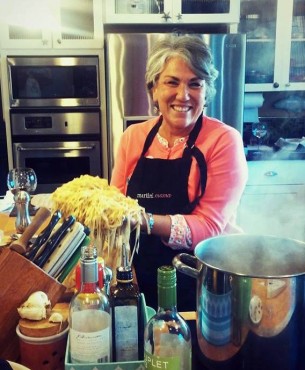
128	101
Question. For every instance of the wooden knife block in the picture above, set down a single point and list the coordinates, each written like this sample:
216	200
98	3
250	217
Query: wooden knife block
18	279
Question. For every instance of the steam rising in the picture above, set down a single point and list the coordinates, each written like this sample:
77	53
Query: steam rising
253	255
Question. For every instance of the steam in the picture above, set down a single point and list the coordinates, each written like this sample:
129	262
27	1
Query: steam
269	209
253	255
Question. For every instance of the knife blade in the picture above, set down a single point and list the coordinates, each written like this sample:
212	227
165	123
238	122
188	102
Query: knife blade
54	240
72	261
43	236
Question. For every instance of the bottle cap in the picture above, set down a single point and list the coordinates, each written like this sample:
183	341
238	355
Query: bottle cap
167	276
124	274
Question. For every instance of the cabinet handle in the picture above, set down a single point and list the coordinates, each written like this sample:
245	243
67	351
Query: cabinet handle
59	41
287	84
276	85
54	149
270	173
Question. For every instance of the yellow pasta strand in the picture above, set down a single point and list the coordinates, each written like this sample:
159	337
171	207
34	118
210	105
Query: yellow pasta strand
101	207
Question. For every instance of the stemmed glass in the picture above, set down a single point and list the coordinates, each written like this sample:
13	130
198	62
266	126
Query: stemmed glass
22	181
259	130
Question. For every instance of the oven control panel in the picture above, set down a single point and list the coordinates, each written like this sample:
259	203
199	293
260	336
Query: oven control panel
37	123
55	123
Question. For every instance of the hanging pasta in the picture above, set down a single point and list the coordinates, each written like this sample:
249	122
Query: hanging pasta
104	209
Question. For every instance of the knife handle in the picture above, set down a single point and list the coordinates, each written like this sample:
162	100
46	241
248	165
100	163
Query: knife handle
43	236
53	242
20	245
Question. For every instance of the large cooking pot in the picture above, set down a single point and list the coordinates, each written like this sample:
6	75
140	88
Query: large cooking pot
250	301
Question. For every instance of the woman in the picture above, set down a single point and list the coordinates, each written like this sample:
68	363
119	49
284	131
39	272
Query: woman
186	169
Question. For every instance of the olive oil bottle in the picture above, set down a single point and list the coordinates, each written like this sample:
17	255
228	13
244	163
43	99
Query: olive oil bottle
127	318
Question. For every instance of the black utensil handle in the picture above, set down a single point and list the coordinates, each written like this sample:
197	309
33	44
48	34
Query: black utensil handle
43	236
53	242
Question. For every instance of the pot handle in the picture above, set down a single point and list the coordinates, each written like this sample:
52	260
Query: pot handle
182	262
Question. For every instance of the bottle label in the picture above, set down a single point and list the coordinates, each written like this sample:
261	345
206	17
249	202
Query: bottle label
126	333
90	337
152	362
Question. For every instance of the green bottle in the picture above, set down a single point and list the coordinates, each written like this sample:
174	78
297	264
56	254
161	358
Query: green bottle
167	337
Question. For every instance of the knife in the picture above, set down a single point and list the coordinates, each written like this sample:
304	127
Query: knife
64	249
43	236
72	261
20	245
54	240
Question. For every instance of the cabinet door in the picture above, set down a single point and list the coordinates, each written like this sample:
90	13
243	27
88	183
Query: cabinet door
27	24
206	11
137	11
172	11
275	56
79	24
297	50
51	24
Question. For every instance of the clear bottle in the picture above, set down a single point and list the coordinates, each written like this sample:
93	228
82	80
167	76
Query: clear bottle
167	337
89	316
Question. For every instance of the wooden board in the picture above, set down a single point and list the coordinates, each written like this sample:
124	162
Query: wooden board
19	278
44	328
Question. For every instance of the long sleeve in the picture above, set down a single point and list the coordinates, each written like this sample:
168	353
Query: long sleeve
227	173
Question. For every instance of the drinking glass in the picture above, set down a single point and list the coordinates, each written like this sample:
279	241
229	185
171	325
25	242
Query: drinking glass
21	179
259	130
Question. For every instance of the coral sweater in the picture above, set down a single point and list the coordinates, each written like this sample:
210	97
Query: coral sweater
227	173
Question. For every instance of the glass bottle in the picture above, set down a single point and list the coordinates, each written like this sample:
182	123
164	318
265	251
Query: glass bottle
127	323
167	337
89	316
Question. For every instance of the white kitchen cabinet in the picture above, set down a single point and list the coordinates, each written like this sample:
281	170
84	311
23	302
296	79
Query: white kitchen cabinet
273	202
171	11
275	53
46	24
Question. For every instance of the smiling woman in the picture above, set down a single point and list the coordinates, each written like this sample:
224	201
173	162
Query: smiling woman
197	161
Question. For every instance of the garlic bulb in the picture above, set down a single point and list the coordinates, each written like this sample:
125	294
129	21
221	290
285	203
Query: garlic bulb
35	307
56	317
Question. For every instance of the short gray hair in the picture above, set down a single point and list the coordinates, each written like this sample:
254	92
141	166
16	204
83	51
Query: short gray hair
195	52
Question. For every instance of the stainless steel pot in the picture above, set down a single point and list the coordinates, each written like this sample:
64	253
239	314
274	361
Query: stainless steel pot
250	301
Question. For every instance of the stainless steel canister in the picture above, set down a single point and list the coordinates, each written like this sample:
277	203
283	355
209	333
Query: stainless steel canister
250	301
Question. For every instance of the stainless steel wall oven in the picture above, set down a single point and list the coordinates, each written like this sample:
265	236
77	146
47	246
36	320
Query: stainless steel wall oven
55	117
58	145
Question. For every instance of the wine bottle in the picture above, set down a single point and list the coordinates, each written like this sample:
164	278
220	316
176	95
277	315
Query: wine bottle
127	322
167	337
89	315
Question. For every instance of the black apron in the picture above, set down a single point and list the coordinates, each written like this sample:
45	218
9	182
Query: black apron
161	187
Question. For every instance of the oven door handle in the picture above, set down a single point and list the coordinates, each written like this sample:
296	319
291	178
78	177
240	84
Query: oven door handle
49	148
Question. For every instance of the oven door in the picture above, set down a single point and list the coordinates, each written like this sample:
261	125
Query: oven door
56	163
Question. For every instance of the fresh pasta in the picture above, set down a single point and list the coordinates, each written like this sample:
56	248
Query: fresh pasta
101	207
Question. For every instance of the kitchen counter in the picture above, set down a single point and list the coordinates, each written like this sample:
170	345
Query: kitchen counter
268	153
